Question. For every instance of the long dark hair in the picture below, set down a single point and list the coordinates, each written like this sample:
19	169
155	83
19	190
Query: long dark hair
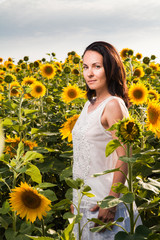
114	70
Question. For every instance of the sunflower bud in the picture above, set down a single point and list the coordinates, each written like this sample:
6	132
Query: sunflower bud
49	99
153	57
146	60
67	70
8	78
76	60
26	58
148	71
53	54
130	52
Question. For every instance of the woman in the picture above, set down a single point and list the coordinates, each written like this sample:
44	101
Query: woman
107	103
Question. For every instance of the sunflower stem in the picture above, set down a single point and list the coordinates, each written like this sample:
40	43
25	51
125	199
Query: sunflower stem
43	230
131	190
14	221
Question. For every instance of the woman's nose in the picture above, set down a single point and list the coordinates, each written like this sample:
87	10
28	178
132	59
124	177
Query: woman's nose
90	72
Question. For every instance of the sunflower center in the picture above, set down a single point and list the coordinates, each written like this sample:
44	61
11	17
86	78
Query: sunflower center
29	82
14	91
130	127
153	116
31	200
39	89
138	94
48	70
72	93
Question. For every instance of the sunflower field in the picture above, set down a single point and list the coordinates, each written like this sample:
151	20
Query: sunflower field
40	102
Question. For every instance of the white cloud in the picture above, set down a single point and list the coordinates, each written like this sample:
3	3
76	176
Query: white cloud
38	26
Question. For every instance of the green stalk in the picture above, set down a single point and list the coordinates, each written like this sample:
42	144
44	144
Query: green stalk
43	232
131	190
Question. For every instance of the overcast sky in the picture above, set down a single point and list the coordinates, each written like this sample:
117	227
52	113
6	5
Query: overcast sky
36	27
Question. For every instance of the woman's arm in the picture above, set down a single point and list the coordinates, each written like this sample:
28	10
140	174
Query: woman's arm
113	113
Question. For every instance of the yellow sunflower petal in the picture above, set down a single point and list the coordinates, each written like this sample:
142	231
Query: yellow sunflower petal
27	202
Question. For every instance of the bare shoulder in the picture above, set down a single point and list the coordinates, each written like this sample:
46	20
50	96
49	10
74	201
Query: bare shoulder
113	105
112	112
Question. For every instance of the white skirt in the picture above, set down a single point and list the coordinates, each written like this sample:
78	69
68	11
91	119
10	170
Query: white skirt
121	211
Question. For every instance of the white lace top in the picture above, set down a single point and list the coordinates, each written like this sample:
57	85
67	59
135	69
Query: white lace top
89	144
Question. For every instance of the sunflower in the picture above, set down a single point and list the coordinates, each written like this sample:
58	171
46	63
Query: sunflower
138	72
30	144
9	78
154	66
48	70
66	130
138	93
9	64
138	55
153	116
15	89
153	95
124	53
75	71
14	141
38	89
128	130
70	93
28	81
1	60
27	202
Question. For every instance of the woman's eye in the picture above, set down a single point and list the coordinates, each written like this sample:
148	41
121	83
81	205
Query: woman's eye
98	66
84	67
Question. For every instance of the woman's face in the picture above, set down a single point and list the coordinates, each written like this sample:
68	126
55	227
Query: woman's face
93	70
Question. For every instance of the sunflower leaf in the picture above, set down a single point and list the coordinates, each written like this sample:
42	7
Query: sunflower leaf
111	146
34	173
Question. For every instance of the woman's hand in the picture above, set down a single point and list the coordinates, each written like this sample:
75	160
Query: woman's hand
72	208
105	215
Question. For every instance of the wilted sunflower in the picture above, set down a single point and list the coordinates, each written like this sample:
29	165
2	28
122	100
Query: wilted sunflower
66	130
138	72
124	53
48	70
128	131
138	93
70	93
153	116
153	95
27	202
38	89
15	89
28	81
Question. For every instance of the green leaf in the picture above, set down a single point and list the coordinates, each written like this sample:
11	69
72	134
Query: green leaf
111	146
67	172
46	185
5	158
20	151
39	238
29	111
147	186
67	233
106	172
7	122
63	204
123	235
4	223
109	202
5	208
50	195
31	155
128	197
127	159
120	188
86	188
78	217
34	173
90	195
68	215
